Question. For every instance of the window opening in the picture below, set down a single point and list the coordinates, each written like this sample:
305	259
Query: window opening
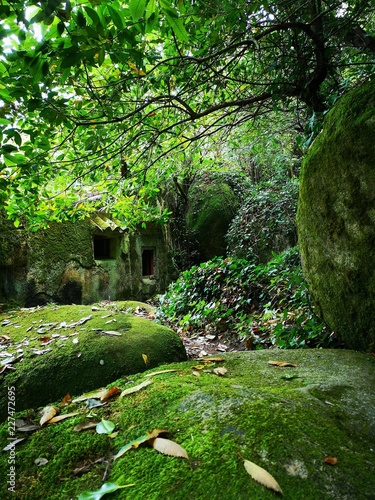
148	264
103	248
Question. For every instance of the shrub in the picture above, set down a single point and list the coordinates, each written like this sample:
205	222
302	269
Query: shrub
268	304
266	222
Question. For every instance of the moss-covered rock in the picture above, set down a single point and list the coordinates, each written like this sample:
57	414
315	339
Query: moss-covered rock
286	420
336	218
60	359
212	207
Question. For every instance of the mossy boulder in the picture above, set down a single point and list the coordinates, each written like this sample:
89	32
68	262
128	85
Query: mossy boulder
285	419
212	208
60	359
336	218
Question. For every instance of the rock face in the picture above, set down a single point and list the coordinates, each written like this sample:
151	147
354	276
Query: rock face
336	218
287	420
83	357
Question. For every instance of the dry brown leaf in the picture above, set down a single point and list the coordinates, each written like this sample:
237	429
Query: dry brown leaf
213	359
220	371
58	418
281	363
109	393
196	374
330	460
66	400
47	413
84	426
159	373
136	388
168	447
262	476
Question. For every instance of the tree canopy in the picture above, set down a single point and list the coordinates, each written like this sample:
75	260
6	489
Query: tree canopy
96	95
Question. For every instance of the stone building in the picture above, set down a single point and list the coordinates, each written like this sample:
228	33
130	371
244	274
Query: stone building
83	262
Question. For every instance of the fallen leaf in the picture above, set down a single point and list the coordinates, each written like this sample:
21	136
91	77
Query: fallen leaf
40	461
66	400
159	373
196	374
212	359
47	413
220	371
168	447
111	332
13	443
262	476
58	418
103	490
199	367
146	359
84	426
136	442
109	393
136	388
281	363
94	403
330	460
105	427
97	394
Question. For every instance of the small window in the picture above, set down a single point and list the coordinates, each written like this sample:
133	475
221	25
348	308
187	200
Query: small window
104	248
148	264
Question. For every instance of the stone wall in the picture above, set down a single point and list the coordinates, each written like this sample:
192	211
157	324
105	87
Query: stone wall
82	262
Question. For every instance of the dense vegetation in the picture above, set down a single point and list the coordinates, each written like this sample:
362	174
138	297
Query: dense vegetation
265	305
99	100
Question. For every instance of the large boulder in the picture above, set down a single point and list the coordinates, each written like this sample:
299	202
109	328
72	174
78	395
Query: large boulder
211	210
336	218
288	420
73	349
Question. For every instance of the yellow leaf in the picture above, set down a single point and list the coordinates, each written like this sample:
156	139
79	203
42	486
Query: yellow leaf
47	413
262	476
58	418
168	447
136	388
146	359
281	363
135	69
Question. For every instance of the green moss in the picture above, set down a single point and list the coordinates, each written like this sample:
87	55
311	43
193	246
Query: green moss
285	426
83	357
335	218
211	210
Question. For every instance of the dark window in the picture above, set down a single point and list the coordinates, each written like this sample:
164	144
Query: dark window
103	248
147	262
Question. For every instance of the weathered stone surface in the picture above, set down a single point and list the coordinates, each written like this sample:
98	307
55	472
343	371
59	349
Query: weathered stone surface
336	218
286	420
84	357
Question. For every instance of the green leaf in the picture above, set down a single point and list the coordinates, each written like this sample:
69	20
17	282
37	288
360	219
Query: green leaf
105	427
151	8
104	489
116	17
137	8
176	24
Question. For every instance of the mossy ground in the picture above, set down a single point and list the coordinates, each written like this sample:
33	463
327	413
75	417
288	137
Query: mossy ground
284	419
82	357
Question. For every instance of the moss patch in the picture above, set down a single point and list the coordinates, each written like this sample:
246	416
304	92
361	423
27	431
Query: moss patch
62	355
286	425
336	216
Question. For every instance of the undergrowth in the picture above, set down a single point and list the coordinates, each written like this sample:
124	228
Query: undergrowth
265	305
